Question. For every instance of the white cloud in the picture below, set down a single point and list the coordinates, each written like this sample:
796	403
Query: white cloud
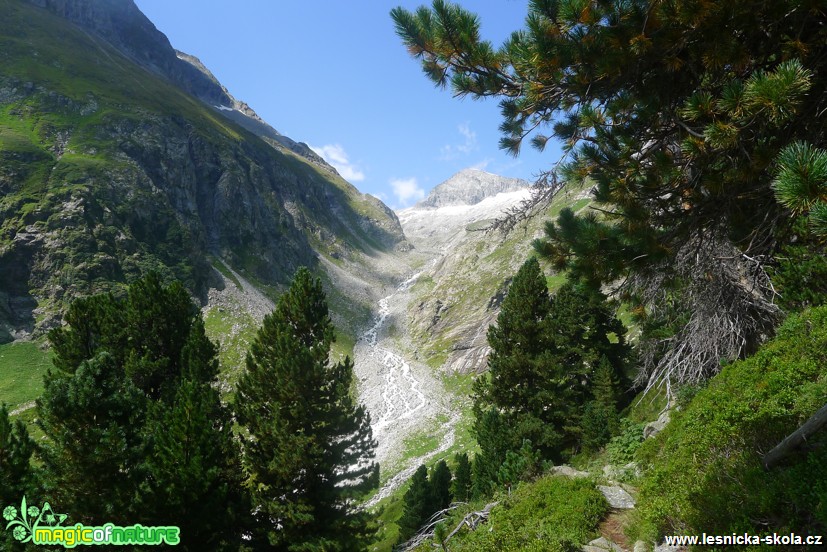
453	151
407	189
336	155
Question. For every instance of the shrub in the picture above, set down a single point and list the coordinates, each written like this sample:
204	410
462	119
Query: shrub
705	471
551	514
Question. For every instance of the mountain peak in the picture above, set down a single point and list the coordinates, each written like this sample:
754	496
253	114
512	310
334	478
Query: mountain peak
469	187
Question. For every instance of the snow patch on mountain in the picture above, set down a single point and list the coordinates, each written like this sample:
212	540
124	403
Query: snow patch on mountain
465	202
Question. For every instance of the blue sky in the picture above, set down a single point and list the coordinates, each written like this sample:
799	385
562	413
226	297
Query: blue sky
335	75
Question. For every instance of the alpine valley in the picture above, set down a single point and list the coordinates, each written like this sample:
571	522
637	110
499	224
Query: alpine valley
204	325
120	155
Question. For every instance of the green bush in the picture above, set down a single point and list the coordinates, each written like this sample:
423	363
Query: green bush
622	448
551	514
704	470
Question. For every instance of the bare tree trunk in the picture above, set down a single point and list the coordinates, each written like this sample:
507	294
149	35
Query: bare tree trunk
794	439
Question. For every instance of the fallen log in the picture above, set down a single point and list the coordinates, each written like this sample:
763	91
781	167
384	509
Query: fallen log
792	441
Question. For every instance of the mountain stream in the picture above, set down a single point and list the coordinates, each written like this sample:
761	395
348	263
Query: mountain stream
402	395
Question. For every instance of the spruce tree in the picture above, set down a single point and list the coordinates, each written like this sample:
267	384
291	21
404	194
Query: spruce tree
546	355
495	437
417	508
461	485
307	444
440	480
600	419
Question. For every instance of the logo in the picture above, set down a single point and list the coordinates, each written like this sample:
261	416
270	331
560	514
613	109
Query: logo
42	526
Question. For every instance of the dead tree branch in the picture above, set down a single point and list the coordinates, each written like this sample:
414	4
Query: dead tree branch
426	532
816	422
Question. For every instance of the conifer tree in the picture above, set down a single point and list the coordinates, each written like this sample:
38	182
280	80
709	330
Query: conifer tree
308	446
417	508
684	117
600	420
440	480
194	474
94	448
801	183
546	355
496	437
519	367
17	477
135	429
461	485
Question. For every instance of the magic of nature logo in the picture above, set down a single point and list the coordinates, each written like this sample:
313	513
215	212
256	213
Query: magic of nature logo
43	526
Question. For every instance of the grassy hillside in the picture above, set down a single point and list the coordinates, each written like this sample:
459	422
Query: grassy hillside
107	171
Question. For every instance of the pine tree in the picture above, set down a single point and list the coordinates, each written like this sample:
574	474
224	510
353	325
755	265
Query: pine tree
682	116
417	501
94	449
131	399
17	477
194	474
307	445
801	183
461	485
440	481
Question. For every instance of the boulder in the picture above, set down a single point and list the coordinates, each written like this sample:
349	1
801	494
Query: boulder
617	497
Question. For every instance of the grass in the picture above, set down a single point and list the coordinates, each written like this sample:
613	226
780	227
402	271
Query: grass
233	335
389	511
225	271
22	367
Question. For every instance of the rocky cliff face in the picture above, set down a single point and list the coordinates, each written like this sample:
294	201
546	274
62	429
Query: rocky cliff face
107	171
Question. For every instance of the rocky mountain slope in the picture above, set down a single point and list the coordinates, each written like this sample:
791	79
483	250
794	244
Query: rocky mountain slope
468	265
114	159
123	26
